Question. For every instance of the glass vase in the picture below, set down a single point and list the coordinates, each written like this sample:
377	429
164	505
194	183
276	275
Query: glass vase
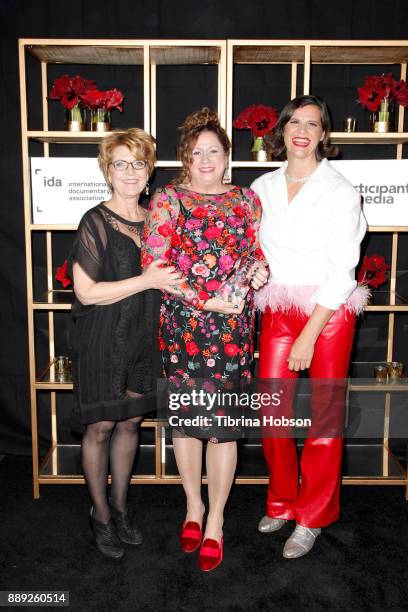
100	120
259	150
382	120
75	119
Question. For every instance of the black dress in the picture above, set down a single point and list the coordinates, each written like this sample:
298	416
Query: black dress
115	346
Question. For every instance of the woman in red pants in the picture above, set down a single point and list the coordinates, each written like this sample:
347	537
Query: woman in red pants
311	230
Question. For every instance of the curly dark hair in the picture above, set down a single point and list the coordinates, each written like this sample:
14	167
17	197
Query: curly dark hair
276	143
199	121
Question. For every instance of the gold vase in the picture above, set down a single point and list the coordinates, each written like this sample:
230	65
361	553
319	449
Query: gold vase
75	119
260	152
382	120
100	120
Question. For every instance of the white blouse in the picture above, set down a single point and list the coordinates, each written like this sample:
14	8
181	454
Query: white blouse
315	240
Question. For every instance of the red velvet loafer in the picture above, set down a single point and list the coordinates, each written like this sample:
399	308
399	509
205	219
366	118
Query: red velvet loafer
210	554
190	536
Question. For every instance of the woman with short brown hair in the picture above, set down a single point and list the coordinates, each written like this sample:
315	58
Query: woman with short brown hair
115	361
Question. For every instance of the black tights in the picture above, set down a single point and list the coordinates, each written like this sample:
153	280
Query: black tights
116	441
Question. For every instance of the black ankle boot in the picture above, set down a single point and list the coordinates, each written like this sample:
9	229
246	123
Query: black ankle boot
127	532
107	538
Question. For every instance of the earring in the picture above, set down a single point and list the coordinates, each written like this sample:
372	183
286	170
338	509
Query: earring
226	178
147	189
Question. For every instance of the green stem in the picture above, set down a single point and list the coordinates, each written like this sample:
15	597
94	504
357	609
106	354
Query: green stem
258	144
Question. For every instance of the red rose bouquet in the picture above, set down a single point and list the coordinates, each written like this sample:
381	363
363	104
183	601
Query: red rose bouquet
379	88
105	100
373	271
259	119
77	93
69	90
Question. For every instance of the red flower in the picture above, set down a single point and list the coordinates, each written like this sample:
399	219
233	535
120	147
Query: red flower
259	119
200	212
107	100
147	259
212	285
258	254
93	98
376	88
162	344
400	92
212	232
373	271
113	99
192	348
62	275
203	295
239	211
69	90
187	242
175	240
231	349
231	240
165	229
249	233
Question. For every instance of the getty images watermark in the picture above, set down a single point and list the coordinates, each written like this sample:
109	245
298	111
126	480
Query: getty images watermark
187	404
269	408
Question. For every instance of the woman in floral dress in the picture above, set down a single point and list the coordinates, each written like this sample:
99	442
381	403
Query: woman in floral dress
204	227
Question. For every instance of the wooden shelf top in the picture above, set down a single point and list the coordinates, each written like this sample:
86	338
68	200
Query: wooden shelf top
321	51
369	138
167	52
57	299
359	54
259	54
376	387
58	137
126	53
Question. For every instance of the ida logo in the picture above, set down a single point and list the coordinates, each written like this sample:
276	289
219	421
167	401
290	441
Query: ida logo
52	182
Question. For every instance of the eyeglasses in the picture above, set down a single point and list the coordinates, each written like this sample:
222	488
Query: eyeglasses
121	165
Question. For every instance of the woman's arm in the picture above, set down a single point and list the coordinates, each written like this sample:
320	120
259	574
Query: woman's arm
160	235
348	227
261	273
102	293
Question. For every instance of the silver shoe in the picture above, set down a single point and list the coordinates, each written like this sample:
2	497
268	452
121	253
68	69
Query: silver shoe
300	542
268	524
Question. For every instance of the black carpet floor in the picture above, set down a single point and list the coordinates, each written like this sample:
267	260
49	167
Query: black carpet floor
360	563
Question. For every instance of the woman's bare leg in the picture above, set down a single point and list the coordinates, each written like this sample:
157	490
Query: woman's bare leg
188	453
221	461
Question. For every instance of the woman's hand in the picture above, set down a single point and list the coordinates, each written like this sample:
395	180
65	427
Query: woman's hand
260	276
301	354
159	276
218	305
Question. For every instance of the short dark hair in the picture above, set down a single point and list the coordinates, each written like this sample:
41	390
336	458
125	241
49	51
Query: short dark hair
276	142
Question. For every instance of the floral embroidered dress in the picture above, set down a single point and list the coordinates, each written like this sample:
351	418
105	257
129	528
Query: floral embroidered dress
203	236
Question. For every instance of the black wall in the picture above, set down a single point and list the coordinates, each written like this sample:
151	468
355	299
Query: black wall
308	19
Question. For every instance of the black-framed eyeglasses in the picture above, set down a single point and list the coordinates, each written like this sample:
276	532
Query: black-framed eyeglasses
121	165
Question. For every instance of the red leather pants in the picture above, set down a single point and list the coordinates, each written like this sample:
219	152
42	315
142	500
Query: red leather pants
315	502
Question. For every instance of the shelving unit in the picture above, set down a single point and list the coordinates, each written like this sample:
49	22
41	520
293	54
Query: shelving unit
62	463
299	57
